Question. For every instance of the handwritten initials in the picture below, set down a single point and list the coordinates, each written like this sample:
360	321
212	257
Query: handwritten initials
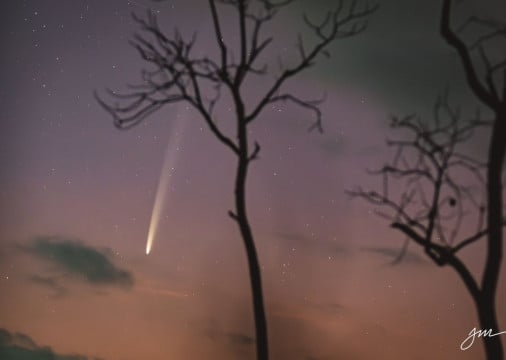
469	341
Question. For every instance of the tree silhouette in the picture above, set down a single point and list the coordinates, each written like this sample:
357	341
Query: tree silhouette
177	75
430	205
433	189
491	91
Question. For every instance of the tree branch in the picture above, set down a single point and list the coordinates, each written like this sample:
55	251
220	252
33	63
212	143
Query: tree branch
453	40
306	61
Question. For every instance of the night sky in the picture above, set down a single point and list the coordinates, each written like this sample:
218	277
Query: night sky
77	194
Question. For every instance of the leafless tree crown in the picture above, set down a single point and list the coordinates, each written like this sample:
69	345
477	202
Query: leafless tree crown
432	186
179	75
483	55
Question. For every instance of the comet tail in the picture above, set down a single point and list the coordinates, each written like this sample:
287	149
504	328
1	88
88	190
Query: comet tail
165	176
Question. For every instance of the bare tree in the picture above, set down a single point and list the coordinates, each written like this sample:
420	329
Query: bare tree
491	91
433	189
177	75
430	206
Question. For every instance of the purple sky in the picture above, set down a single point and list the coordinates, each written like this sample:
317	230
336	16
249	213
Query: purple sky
76	192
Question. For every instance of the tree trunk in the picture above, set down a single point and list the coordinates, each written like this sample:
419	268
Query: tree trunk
488	320
487	314
247	236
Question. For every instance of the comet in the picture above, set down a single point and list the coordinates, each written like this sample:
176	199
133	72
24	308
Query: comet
166	174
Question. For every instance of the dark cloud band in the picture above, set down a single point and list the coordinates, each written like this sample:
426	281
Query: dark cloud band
17	346
76	258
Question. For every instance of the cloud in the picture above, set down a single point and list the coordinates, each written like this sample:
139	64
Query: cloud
17	346
214	331
396	255
328	308
50	282
75	258
239	338
162	291
308	310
